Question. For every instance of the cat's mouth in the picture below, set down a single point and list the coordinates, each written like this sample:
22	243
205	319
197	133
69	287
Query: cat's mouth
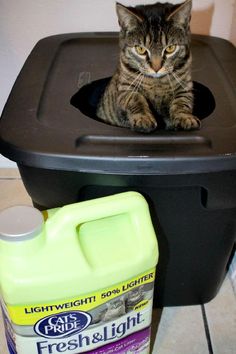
161	73
157	75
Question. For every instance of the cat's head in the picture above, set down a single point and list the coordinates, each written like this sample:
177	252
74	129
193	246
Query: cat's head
154	39
137	291
115	304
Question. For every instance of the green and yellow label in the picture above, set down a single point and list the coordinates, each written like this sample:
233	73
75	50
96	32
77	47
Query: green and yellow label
30	314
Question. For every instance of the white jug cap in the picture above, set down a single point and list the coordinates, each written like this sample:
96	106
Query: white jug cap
19	223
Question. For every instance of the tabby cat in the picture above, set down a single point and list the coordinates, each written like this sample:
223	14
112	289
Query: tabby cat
114	309
134	297
153	77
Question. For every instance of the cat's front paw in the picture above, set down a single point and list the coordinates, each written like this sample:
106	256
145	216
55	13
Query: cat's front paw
185	121
144	123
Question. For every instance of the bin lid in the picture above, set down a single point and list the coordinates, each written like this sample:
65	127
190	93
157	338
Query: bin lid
41	128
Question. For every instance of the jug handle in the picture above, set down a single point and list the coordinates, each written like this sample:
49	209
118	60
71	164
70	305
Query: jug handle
69	217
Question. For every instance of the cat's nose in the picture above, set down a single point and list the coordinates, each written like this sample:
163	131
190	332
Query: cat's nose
156	63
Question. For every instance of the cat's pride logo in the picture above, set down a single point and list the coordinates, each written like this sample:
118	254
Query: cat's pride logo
63	324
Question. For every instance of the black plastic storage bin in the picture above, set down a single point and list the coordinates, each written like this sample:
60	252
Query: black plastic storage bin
65	154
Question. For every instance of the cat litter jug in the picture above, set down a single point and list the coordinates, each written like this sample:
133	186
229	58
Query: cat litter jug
81	281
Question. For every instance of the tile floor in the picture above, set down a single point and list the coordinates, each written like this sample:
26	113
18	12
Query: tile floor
204	329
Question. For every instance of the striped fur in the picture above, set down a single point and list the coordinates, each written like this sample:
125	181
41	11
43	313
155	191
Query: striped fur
156	84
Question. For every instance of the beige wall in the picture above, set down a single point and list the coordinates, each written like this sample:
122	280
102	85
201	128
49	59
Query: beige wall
24	22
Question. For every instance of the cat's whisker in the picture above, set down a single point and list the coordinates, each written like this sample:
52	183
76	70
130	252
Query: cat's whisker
124	77
134	81
137	85
139	82
172	88
178	80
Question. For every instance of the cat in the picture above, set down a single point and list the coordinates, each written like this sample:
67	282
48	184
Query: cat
153	76
114	309
134	297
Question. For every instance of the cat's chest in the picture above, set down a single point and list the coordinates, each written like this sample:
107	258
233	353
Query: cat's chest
159	98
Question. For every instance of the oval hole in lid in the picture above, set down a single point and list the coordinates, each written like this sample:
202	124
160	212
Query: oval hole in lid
88	96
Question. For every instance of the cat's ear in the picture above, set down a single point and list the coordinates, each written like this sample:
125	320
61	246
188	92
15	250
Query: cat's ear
128	18
182	13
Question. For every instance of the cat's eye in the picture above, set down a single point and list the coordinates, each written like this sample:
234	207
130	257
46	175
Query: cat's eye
170	49
140	50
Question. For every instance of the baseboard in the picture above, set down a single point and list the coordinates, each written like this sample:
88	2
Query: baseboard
6	163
